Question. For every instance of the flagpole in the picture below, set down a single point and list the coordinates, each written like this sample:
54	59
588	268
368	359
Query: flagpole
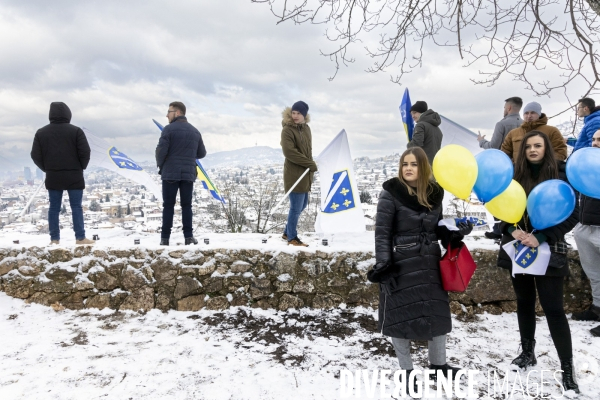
31	199
288	192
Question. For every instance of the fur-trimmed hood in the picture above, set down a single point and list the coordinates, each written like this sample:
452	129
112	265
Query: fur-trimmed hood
400	193
287	118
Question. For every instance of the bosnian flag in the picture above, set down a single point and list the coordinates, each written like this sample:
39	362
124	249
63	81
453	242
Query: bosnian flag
407	120
451	223
341	210
106	155
528	260
453	133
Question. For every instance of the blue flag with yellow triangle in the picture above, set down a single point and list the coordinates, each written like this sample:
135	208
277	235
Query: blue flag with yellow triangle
207	183
105	154
340	196
407	120
340	208
528	260
203	177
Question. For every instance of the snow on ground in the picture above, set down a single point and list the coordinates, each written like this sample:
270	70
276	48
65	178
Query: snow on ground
119	238
241	353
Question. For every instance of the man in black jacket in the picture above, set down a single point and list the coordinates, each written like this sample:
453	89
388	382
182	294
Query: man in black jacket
62	151
427	134
587	237
179	146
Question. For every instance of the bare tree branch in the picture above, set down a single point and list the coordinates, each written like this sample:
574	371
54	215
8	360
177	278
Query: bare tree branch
548	45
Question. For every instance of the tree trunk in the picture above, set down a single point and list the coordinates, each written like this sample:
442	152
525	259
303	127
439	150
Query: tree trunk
594	5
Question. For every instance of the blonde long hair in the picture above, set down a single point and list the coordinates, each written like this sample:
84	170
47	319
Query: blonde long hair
424	178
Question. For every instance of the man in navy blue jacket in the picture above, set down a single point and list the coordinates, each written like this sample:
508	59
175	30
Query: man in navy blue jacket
179	146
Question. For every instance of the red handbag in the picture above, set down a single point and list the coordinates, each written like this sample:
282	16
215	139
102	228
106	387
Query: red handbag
457	267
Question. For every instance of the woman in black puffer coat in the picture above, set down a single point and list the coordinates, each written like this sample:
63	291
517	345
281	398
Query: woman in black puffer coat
413	304
536	163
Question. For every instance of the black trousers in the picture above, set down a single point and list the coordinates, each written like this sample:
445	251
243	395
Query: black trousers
169	192
550	290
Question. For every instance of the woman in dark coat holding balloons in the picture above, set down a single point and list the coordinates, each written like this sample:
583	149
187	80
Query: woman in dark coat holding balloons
534	165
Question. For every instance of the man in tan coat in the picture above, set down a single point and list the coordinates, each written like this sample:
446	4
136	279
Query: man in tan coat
535	120
296	143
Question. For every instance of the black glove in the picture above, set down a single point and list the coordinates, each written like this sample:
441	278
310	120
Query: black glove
456	237
464	228
378	274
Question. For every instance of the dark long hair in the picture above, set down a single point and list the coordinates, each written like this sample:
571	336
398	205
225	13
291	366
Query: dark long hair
548	168
424	179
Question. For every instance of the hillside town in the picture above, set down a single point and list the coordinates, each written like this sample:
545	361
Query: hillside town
251	193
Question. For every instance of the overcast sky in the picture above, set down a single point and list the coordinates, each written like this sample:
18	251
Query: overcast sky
118	64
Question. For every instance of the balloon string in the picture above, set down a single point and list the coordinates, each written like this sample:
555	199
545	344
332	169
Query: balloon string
528	233
467	201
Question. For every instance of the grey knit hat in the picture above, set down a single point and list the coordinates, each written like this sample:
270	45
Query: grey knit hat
533	106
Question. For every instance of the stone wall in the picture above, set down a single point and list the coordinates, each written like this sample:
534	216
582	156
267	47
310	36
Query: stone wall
188	280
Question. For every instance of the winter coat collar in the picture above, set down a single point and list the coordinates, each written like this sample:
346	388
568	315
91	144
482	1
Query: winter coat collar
511	116
400	193
531	126
288	121
593	115
181	118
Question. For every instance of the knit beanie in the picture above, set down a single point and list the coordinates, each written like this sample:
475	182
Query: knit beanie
533	106
301	107
419	106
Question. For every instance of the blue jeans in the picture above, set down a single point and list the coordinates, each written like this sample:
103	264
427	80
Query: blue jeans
298	202
75	197
169	192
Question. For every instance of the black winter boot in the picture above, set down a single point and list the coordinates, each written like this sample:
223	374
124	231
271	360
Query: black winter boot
406	383
164	241
569	379
446	369
586	315
190	240
527	357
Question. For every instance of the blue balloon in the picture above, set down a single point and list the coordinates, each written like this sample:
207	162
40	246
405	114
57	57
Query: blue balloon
582	170
550	203
494	173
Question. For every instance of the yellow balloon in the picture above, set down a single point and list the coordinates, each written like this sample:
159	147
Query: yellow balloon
455	169
509	205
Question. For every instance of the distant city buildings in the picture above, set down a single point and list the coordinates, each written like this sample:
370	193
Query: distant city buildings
110	200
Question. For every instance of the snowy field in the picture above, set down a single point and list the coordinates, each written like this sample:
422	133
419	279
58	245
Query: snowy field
244	353
241	353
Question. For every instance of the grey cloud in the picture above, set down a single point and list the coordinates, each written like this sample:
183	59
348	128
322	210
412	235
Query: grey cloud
119	64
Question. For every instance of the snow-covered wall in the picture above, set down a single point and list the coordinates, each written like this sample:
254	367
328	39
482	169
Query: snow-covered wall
189	280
